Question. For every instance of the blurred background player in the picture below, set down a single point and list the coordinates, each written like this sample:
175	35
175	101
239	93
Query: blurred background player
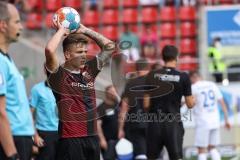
157	65
217	66
132	53
132	105
168	129
16	123
22	5
149	41
108	123
73	87
206	113
44	110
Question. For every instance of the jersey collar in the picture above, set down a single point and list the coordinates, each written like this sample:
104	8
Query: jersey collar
5	54
169	68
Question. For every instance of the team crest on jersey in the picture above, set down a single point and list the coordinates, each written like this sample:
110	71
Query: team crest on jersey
87	75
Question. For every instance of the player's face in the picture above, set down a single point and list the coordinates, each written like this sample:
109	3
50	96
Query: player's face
76	55
14	26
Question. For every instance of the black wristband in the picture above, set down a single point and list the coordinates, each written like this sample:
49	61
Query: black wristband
13	157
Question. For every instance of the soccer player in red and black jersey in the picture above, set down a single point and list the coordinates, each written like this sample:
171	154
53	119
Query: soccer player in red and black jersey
73	87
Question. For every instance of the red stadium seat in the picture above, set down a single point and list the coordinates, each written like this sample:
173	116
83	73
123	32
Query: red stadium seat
95	28
167	13
93	50
53	5
48	20
73	3
110	3
110	32
34	21
134	28
110	16
32	3
188	46
168	30
153	27
130	16
188	29
164	42
206	2
188	63
226	1
187	13
36	5
130	3
149	14
214	2
91	18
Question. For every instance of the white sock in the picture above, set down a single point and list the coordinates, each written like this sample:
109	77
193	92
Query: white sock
141	157
202	156
215	155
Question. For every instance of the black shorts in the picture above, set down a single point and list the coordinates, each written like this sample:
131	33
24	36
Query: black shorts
83	148
48	151
23	145
138	139
168	134
110	153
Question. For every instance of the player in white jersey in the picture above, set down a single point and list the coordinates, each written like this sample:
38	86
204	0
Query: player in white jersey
207	118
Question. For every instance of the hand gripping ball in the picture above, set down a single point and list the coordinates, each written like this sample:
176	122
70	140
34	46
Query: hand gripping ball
68	18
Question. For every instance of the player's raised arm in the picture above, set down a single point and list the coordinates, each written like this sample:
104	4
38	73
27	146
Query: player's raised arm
107	46
52	61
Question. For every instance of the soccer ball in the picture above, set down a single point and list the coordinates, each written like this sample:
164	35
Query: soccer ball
68	17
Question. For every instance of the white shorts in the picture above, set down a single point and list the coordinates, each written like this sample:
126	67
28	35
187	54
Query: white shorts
205	137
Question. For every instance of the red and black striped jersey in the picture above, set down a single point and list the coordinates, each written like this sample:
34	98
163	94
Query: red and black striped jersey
76	99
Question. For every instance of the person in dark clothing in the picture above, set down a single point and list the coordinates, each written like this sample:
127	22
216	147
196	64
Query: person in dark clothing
108	123
166	129
132	106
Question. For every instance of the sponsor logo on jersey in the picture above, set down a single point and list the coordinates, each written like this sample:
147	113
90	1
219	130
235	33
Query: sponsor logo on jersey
86	75
166	77
84	86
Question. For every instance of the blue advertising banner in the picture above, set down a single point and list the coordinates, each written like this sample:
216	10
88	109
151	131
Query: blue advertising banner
224	24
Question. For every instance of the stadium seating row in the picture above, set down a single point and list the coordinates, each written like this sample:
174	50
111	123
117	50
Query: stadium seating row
52	5
177	24
167	29
131	16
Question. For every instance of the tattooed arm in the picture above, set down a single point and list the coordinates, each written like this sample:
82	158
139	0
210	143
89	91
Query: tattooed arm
107	46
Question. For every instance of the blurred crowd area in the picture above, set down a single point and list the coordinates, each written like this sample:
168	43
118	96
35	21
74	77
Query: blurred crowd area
148	24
